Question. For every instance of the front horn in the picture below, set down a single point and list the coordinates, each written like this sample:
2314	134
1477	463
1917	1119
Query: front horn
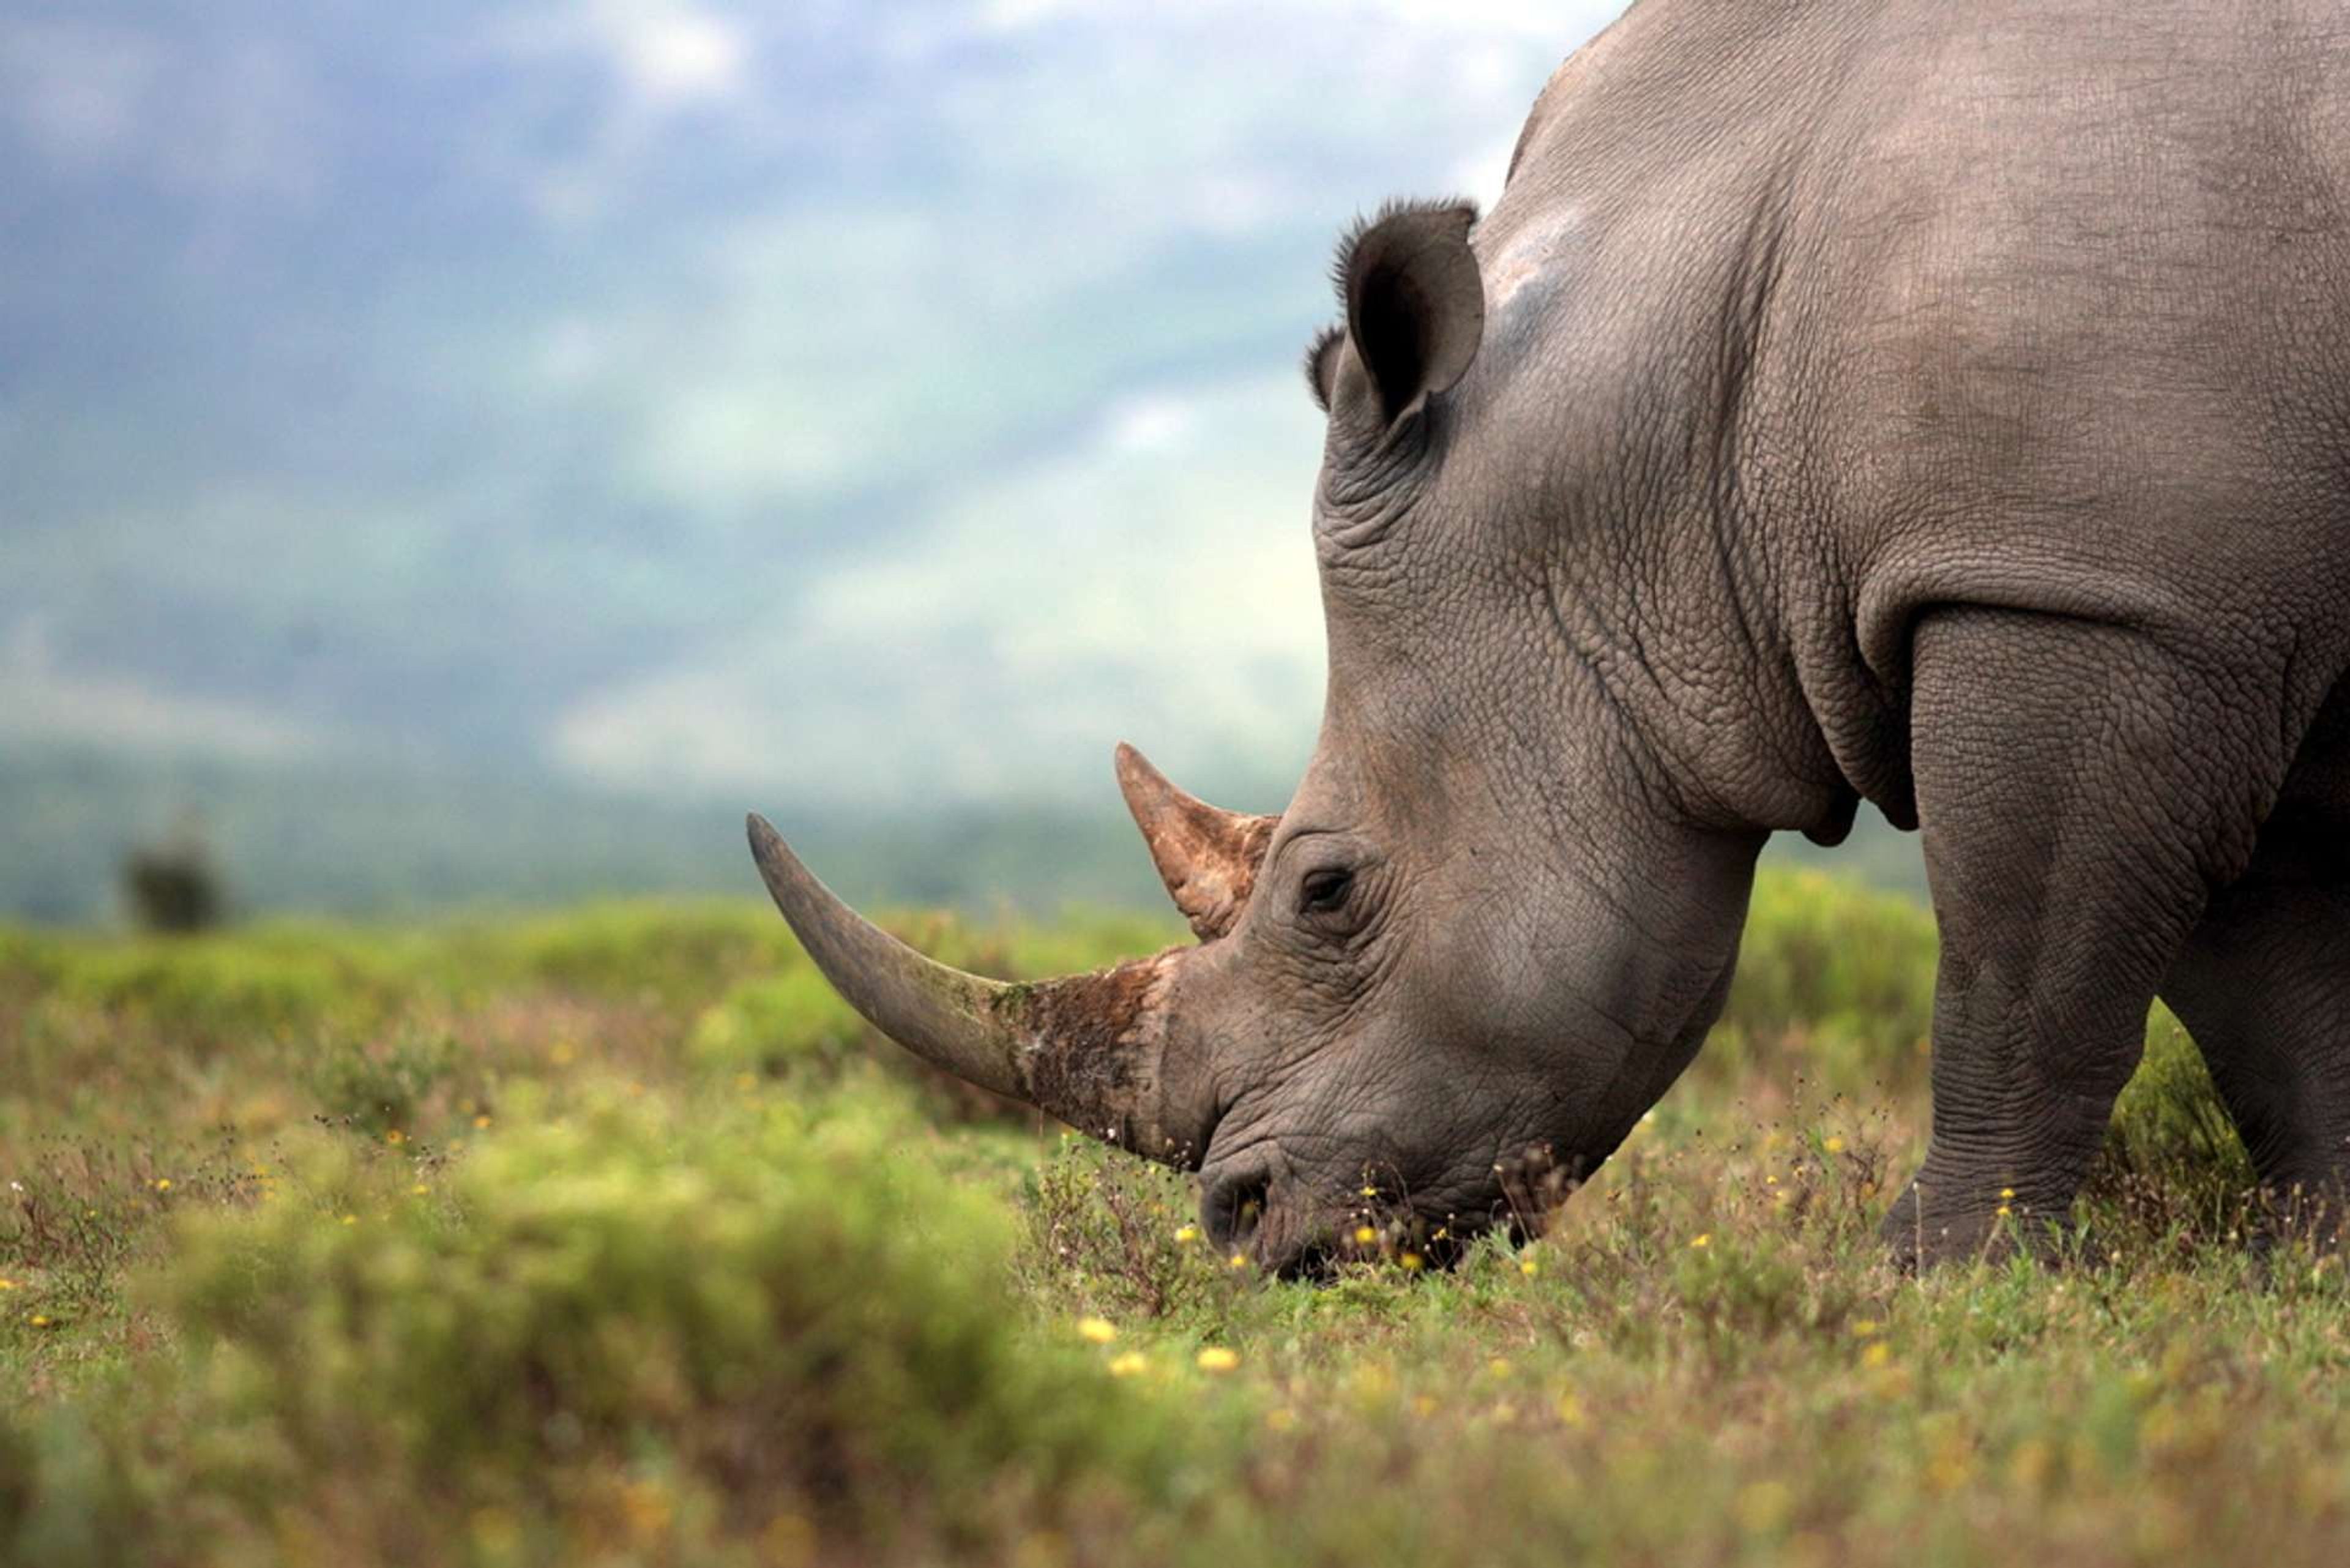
1090	1049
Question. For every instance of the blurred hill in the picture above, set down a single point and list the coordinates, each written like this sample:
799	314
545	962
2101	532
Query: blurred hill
324	836
333	837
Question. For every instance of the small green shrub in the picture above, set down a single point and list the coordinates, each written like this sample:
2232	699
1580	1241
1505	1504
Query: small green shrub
1088	942
1106	1235
763	1316
786	1023
380	1084
64	1494
2172	1160
212	990
669	950
1834	980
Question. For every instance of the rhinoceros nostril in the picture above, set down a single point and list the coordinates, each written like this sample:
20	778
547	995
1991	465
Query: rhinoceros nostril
1231	1207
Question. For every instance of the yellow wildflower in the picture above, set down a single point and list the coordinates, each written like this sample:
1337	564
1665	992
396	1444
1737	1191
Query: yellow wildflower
1410	1261
1186	1235
1701	1241
351	1219
395	1137
41	1320
1239	1260
1528	1267
1364	1235
7	1283
1127	1364
1878	1354
1833	1144
420	1189
481	1121
162	1184
1216	1358
648	1506
1096	1330
2007	1194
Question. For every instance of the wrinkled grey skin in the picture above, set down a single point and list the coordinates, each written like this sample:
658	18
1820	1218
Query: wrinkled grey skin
1943	406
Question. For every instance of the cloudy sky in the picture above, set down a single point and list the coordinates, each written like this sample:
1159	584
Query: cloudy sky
839	399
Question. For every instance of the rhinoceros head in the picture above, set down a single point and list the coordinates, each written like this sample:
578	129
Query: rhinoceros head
1481	939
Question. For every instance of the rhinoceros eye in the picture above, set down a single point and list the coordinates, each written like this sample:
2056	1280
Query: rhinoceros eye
1324	892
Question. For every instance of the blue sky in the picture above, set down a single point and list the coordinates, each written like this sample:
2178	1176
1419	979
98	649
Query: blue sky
856	402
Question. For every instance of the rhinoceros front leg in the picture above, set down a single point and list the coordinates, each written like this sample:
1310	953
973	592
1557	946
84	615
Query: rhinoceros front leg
2079	789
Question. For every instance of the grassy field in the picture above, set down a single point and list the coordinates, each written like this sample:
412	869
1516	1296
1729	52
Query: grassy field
612	1238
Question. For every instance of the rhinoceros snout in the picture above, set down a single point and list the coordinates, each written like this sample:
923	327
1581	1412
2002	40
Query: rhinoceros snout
1233	1207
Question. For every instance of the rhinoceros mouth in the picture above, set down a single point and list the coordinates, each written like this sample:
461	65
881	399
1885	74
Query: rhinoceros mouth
1257	1208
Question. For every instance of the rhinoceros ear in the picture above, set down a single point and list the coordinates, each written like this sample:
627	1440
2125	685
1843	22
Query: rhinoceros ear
1415	306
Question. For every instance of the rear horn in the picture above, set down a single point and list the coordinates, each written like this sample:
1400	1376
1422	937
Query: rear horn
1207	857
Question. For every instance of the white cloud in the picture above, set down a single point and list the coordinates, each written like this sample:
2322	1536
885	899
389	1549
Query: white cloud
672	55
574	352
1149	422
1010	15
663	54
41	703
78	91
888	336
1156	583
663	60
735	442
1537	18
1542	19
261	126
238	117
814	280
1482	175
1153	580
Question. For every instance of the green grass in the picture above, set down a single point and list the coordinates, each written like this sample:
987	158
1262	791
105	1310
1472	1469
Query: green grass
612	1237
